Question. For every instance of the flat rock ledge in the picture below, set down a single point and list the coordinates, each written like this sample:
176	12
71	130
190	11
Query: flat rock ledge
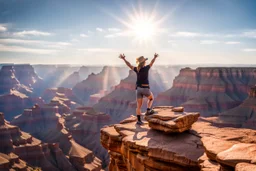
203	147
171	119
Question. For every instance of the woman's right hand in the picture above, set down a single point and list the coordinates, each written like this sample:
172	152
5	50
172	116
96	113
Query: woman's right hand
122	56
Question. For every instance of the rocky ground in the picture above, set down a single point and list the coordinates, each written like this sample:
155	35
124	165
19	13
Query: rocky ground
197	146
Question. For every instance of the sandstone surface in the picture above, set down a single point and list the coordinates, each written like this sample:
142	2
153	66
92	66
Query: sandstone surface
167	120
204	147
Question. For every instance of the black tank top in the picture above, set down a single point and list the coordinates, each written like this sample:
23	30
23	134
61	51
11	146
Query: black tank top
142	76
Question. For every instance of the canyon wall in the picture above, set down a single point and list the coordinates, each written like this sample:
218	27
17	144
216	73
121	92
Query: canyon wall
14	102
45	123
209	90
243	115
84	124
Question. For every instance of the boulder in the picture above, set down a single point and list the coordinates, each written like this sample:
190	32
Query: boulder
214	146
238	153
245	167
167	120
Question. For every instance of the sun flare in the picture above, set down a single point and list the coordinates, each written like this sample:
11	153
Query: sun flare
144	28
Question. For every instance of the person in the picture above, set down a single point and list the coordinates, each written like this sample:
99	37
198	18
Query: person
142	84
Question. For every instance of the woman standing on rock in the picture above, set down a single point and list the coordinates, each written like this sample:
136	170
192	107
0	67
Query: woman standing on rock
142	84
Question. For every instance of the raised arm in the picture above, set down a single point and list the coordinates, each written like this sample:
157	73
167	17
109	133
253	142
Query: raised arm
122	56
153	60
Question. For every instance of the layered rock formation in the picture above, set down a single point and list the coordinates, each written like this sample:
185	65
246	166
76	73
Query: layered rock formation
243	115
26	75
8	80
121	102
203	147
84	124
107	78
209	90
14	102
13	162
171	120
62	95
17	145
46	124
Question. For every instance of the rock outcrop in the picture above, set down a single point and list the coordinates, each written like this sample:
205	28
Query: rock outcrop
107	78
209	90
84	124
121	102
14	102
26	75
46	124
17	146
203	147
171	120
62	95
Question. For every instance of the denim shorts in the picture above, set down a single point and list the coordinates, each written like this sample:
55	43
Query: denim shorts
141	92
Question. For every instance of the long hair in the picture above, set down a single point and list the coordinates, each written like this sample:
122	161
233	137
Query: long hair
140	65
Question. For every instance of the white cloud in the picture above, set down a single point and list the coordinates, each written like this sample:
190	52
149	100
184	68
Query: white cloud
4	48
98	50
99	29
185	34
208	42
249	34
2	28
249	50
120	34
84	35
31	33
114	29
232	43
35	42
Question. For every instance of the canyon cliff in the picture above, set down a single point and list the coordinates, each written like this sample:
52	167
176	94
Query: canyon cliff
209	90
173	140
18	148
45	123
14	102
84	124
63	95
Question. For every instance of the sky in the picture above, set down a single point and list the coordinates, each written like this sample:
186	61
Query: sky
95	32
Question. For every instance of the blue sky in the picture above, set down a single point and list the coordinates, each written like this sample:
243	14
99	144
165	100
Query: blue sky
96	31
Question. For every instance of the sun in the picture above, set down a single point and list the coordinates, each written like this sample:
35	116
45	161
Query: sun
143	28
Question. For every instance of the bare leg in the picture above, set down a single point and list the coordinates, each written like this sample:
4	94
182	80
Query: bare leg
150	101
139	104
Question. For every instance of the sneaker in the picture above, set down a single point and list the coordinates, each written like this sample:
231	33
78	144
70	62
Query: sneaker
150	112
139	123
